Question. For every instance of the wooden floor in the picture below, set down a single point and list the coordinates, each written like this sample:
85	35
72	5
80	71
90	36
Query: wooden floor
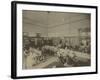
48	62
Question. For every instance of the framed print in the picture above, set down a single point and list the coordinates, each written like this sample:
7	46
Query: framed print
50	39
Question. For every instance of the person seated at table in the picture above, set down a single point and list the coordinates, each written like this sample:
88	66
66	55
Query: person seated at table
61	53
38	53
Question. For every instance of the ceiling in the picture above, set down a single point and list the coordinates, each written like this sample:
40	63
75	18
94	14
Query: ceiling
49	19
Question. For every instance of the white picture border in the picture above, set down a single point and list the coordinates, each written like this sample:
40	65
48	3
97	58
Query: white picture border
35	72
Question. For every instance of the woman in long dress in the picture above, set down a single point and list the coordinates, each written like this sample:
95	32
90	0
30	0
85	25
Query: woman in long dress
31	58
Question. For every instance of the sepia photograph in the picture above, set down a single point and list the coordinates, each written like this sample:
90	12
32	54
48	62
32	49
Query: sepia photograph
56	39
53	39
